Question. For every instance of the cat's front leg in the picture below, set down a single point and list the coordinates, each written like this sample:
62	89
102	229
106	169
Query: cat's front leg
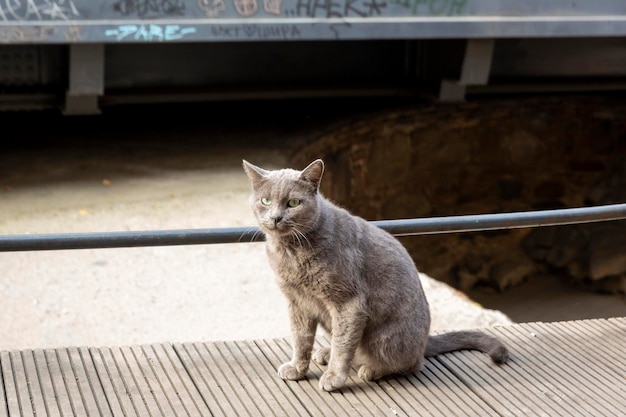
303	336
347	329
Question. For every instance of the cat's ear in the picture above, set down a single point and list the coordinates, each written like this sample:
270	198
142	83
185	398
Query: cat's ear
255	173
313	173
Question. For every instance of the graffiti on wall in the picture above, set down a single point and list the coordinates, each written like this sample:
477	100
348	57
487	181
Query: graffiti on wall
150	33
433	7
256	31
297	8
244	8
341	13
212	8
332	8
336	9
38	10
25	34
150	8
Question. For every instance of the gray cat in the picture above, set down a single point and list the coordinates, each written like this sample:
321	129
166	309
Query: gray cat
354	279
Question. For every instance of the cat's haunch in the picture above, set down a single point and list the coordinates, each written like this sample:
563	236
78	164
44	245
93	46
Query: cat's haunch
351	278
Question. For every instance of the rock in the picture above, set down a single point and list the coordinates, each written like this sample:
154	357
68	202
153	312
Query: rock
610	187
510	272
510	188
557	246
523	146
471	270
492	157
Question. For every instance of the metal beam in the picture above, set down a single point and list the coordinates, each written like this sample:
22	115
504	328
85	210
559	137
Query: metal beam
406	227
474	71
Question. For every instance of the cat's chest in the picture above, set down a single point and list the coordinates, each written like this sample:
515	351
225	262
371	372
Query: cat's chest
314	275
295	263
305	268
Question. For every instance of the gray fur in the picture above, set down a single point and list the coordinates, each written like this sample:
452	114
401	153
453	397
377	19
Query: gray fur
352	278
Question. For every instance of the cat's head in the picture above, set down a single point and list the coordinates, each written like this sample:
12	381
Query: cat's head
285	201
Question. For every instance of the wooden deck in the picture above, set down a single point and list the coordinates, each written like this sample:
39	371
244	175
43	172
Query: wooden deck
573	368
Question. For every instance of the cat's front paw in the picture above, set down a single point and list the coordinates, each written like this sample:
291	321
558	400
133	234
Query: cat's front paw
331	381
291	372
322	355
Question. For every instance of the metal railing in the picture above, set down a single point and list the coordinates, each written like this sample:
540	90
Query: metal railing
404	227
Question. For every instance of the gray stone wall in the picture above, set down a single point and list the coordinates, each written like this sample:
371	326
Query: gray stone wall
489	156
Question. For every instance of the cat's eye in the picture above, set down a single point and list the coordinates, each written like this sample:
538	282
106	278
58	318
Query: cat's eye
266	201
294	202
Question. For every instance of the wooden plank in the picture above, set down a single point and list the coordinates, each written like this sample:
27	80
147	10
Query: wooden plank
568	366
525	376
335	402
113	386
21	385
583	363
64	394
557	369
363	396
306	397
266	374
217	395
435	391
67	379
174	380
4	407
546	376
601	338
127	384
241	380
350	400
498	389
37	380
9	385
145	384
89	380
619	322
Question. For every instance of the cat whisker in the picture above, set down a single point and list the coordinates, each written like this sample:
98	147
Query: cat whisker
247	232
301	236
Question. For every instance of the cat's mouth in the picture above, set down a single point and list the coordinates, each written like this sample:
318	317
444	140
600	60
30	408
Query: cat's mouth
281	229
276	228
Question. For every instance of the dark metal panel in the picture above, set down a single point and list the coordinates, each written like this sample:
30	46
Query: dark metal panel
591	57
257	64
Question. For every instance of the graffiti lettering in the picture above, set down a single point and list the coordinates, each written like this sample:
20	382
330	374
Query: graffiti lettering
337	9
26	34
149	32
246	7
72	33
212	8
256	32
433	7
272	6
335	28
38	10
152	8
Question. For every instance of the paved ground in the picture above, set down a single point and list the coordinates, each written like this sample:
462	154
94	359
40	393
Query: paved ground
169	170
160	171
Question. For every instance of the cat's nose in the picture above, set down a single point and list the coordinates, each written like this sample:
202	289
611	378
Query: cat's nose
277	219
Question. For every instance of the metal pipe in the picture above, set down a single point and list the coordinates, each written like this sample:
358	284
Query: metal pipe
405	227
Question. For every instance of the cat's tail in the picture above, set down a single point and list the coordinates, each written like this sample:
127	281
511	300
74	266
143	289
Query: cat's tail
467	340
